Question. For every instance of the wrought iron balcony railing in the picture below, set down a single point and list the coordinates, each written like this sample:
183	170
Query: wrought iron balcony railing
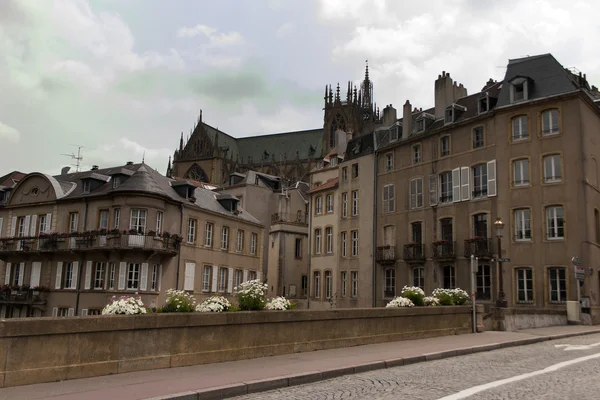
386	254
414	253
479	247
290	218
444	250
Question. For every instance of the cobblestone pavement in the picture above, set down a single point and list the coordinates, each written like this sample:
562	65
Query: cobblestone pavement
437	379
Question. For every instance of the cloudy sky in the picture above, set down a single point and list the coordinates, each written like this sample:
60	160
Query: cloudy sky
124	77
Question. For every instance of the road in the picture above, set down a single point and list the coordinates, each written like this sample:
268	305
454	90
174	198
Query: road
552	370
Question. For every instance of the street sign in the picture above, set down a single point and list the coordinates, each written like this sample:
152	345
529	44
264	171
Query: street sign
506	259
576	261
579	272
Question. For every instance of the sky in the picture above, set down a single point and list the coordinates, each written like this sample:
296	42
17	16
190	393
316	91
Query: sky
124	78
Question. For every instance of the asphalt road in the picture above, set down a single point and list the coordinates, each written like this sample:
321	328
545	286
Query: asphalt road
552	370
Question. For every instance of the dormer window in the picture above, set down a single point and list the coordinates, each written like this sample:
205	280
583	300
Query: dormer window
452	113
116	181
393	133
420	125
449	116
333	161
519	89
483	105
87	185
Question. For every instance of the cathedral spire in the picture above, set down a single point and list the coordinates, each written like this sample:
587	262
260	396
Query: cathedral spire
181	142
349	93
330	95
326	95
366	88
337	93
169	170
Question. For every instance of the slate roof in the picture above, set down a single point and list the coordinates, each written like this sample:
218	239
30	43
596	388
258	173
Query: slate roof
9	180
359	146
280	144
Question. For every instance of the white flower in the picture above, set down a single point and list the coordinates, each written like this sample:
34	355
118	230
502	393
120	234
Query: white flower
414	289
214	304
400	302
278	303
125	305
431	301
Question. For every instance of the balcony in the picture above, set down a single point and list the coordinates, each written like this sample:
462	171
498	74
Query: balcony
444	250
22	295
386	255
414	253
289	218
479	247
51	243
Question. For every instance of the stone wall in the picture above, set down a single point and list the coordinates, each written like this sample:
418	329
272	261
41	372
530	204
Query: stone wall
514	319
35	350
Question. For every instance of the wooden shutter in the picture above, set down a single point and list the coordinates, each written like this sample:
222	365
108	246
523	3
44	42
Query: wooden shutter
433	190
55	312
245	275
190	271
144	277
456	185
413	194
75	275
71	312
230	280
59	267
88	275
215	276
26	225
491	174
7	274
49	222
13	227
36	269
21	273
84	312
1	224
122	271
465	184
33	229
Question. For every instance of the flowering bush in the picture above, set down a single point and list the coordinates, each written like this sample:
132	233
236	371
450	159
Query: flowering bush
251	295
415	294
460	296
126	305
451	297
279	303
178	301
431	301
400	302
214	304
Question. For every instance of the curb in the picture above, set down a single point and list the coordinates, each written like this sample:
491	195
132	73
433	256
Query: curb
278	382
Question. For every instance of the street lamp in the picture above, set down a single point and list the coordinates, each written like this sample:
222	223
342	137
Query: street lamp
499	226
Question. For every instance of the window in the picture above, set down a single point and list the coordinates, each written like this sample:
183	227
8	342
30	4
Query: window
522	224
354	202
416	154
317	241
328	285
558	285
133	276
518	89
390	282
298	251
524	285
86	186
319	205
416	193
103	219
329	240
446	187
389	235
483	105
73	219
393	133
480	181
418	275
253	242
239	277
138	220
333	161
99	275
111	275
480	225
519	128
416	230
449	277
345	174
478	137
16	274
304	285
116	181
389	162
449	115
521	172
550	122
388	199
222	280
240	241
552	169
159	220
354	171
354	277
444	146
154	278
43	226
555	224
446	229
63	312
252	275
94	311
117	217
206	278
225	238
68	282
420	125
208	234
329	203
484	283
344	243
191	236
317	284
354	243
344	205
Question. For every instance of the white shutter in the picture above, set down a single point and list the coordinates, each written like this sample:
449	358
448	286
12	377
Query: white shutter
75	275
258	275
144	282
26	225
84	312
7	274
491	183
36	269
465	184
88	275
33	229
13	227
230	280
21	273
59	267
433	190
122	267
413	193
245	275
159	276
49	222
188	283
456	185
1	224
71	312
55	312
215	277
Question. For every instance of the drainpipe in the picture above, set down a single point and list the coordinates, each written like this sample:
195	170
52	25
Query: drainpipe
582	246
179	250
309	246
81	261
374	246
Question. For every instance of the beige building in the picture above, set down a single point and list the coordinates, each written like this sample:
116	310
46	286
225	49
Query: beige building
71	242
522	150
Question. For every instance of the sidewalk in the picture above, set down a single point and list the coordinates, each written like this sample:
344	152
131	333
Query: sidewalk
216	381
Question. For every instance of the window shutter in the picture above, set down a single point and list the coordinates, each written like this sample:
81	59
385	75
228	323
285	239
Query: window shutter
7	274
159	276
413	194
245	276
88	275
433	189
258	275
122	268
13	227
188	283
49	222
491	183
230	280
465	187
214	278
59	267
71	312
26	225
36	269
144	282
75	275
456	185
55	312
21	274
84	312
1	223
33	228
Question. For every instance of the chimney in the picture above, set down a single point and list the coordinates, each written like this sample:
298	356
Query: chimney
407	119
94	168
389	115
447	92
129	163
65	170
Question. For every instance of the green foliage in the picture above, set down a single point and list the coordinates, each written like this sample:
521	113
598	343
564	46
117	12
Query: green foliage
178	301
445	299
414	294
251	295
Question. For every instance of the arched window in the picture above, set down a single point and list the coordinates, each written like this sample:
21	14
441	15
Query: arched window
196	173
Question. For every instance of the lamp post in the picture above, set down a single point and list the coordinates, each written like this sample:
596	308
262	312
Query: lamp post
499	226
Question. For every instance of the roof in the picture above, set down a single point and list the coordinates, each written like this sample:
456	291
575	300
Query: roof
9	180
329	184
359	146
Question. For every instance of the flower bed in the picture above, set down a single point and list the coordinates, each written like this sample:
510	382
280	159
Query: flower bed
214	304
415	296
279	303
125	305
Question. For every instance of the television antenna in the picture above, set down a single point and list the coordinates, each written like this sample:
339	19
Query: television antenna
77	157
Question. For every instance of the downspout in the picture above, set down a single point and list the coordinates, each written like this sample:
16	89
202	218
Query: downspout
309	246
81	261
374	245
179	249
583	247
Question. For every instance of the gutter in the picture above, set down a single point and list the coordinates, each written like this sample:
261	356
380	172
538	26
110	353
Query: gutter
80	272
179	252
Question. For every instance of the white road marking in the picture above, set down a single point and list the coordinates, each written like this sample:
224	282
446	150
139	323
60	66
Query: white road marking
569	347
477	389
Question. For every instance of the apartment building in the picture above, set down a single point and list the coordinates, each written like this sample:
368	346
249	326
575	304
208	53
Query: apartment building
522	151
68	243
